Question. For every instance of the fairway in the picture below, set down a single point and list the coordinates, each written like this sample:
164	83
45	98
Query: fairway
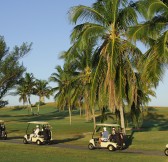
71	141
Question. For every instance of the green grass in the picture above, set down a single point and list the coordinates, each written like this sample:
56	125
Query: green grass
29	153
151	137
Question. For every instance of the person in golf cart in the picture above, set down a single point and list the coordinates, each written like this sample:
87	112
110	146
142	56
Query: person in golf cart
46	132
35	132
113	135
3	133
104	135
117	136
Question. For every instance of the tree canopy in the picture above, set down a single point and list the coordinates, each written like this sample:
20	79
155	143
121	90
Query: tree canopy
11	69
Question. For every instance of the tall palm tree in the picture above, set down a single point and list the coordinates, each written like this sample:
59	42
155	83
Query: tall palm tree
42	90
82	60
106	22
64	91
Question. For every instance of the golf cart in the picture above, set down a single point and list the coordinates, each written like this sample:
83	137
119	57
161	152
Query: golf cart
166	150
41	135
3	133
112	142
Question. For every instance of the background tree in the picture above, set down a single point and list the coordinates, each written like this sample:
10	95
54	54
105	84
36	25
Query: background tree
21	91
64	90
82	60
25	88
10	68
42	90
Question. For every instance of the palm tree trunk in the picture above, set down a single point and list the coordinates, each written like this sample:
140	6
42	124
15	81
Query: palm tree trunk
87	111
80	111
70	120
38	108
42	99
80	108
27	108
94	119
122	119
30	105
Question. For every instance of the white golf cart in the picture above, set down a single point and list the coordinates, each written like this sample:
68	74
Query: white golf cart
110	143
44	135
3	133
166	150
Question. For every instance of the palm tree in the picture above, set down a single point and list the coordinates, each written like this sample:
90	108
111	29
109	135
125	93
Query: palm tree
154	34
24	89
82	60
42	90
106	22
21	91
64	91
26	85
29	82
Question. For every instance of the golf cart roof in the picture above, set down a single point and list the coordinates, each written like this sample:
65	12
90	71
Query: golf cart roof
107	125
38	122
1	121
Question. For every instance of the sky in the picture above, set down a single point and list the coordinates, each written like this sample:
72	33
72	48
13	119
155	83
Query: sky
45	23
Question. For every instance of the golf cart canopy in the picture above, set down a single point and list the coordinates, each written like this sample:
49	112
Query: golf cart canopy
1	121
108	125
38	122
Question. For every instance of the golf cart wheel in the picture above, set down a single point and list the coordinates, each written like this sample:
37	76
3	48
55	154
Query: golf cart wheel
25	141
38	142
111	148
90	146
166	152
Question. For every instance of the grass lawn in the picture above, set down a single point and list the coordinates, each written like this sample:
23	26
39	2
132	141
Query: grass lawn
29	153
152	137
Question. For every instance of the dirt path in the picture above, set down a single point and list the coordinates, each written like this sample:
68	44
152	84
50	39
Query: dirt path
61	145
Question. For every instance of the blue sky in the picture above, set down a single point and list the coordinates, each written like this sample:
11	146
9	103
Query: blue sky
45	24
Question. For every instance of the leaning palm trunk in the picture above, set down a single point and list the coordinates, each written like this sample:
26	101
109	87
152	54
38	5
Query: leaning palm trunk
122	119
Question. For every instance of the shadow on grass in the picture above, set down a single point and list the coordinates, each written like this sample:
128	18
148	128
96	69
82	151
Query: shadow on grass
3	116
15	137
153	120
68	139
129	139
55	115
41	117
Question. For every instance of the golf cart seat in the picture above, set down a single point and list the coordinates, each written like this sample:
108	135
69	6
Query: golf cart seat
105	140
